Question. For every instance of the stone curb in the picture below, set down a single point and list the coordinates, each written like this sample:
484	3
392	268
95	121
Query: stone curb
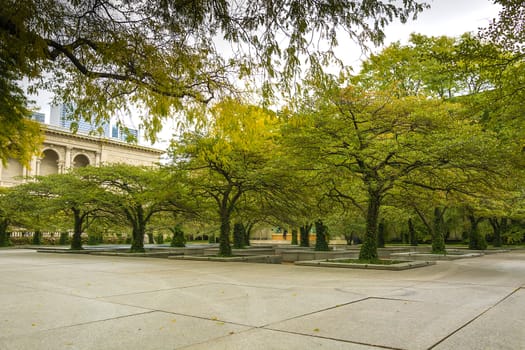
394	267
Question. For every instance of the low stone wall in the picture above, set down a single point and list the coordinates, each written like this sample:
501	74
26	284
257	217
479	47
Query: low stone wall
244	251
265	259
303	255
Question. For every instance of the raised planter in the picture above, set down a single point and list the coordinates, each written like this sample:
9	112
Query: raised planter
450	255
244	252
146	254
265	259
406	265
305	255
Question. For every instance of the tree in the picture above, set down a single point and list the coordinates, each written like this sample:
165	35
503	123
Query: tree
233	156
161	54
136	193
507	30
6	211
68	192
375	142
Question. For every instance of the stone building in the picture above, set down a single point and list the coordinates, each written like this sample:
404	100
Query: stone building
63	150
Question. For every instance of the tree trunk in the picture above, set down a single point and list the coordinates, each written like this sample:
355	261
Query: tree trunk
37	237
381	234
76	240
4	236
139	229
411	233
225	248
150	238
321	236
498	229
438	239
238	235
476	240
368	250
137	244
305	235
247	232
294	236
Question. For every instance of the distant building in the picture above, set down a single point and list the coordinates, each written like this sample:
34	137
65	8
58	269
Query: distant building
39	117
63	150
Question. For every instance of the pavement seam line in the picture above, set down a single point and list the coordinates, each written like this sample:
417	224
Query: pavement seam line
334	339
149	291
315	312
94	321
475	318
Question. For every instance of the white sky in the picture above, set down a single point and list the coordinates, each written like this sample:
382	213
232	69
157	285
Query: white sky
445	17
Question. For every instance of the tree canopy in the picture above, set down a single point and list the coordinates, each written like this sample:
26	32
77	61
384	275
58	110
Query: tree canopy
160	55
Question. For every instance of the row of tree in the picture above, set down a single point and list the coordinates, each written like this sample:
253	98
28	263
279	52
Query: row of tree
423	127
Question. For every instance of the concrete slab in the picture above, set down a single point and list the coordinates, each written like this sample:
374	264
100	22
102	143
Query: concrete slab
263	339
153	330
501	327
52	301
456	294
249	305
399	324
26	313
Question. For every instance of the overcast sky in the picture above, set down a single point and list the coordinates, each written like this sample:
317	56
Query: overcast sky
445	17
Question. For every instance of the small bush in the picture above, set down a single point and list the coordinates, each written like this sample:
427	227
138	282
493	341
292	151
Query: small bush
514	236
37	238
238	235
64	238
178	237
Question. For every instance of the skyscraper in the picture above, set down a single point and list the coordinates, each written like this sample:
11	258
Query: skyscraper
61	116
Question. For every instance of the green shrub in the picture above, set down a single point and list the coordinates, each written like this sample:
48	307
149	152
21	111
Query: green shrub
513	236
381	234
64	238
238	235
178	237
5	239
321	236
37	238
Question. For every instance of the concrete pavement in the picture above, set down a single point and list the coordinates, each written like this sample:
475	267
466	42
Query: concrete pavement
65	301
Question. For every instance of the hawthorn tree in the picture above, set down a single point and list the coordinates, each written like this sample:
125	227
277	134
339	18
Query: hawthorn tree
372	142
134	194
233	155
83	201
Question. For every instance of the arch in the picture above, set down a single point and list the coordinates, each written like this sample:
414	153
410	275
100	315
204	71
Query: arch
49	162
80	161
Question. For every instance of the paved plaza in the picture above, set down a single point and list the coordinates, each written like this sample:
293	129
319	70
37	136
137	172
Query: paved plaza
67	301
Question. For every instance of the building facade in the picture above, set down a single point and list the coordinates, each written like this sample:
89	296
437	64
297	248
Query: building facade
63	150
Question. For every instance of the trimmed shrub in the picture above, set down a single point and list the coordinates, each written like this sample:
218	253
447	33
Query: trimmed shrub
64	238
321	236
37	238
178	239
238	235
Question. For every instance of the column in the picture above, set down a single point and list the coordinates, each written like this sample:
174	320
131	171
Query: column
67	159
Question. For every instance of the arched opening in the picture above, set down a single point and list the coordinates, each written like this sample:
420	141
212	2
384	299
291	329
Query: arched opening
49	163
80	161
